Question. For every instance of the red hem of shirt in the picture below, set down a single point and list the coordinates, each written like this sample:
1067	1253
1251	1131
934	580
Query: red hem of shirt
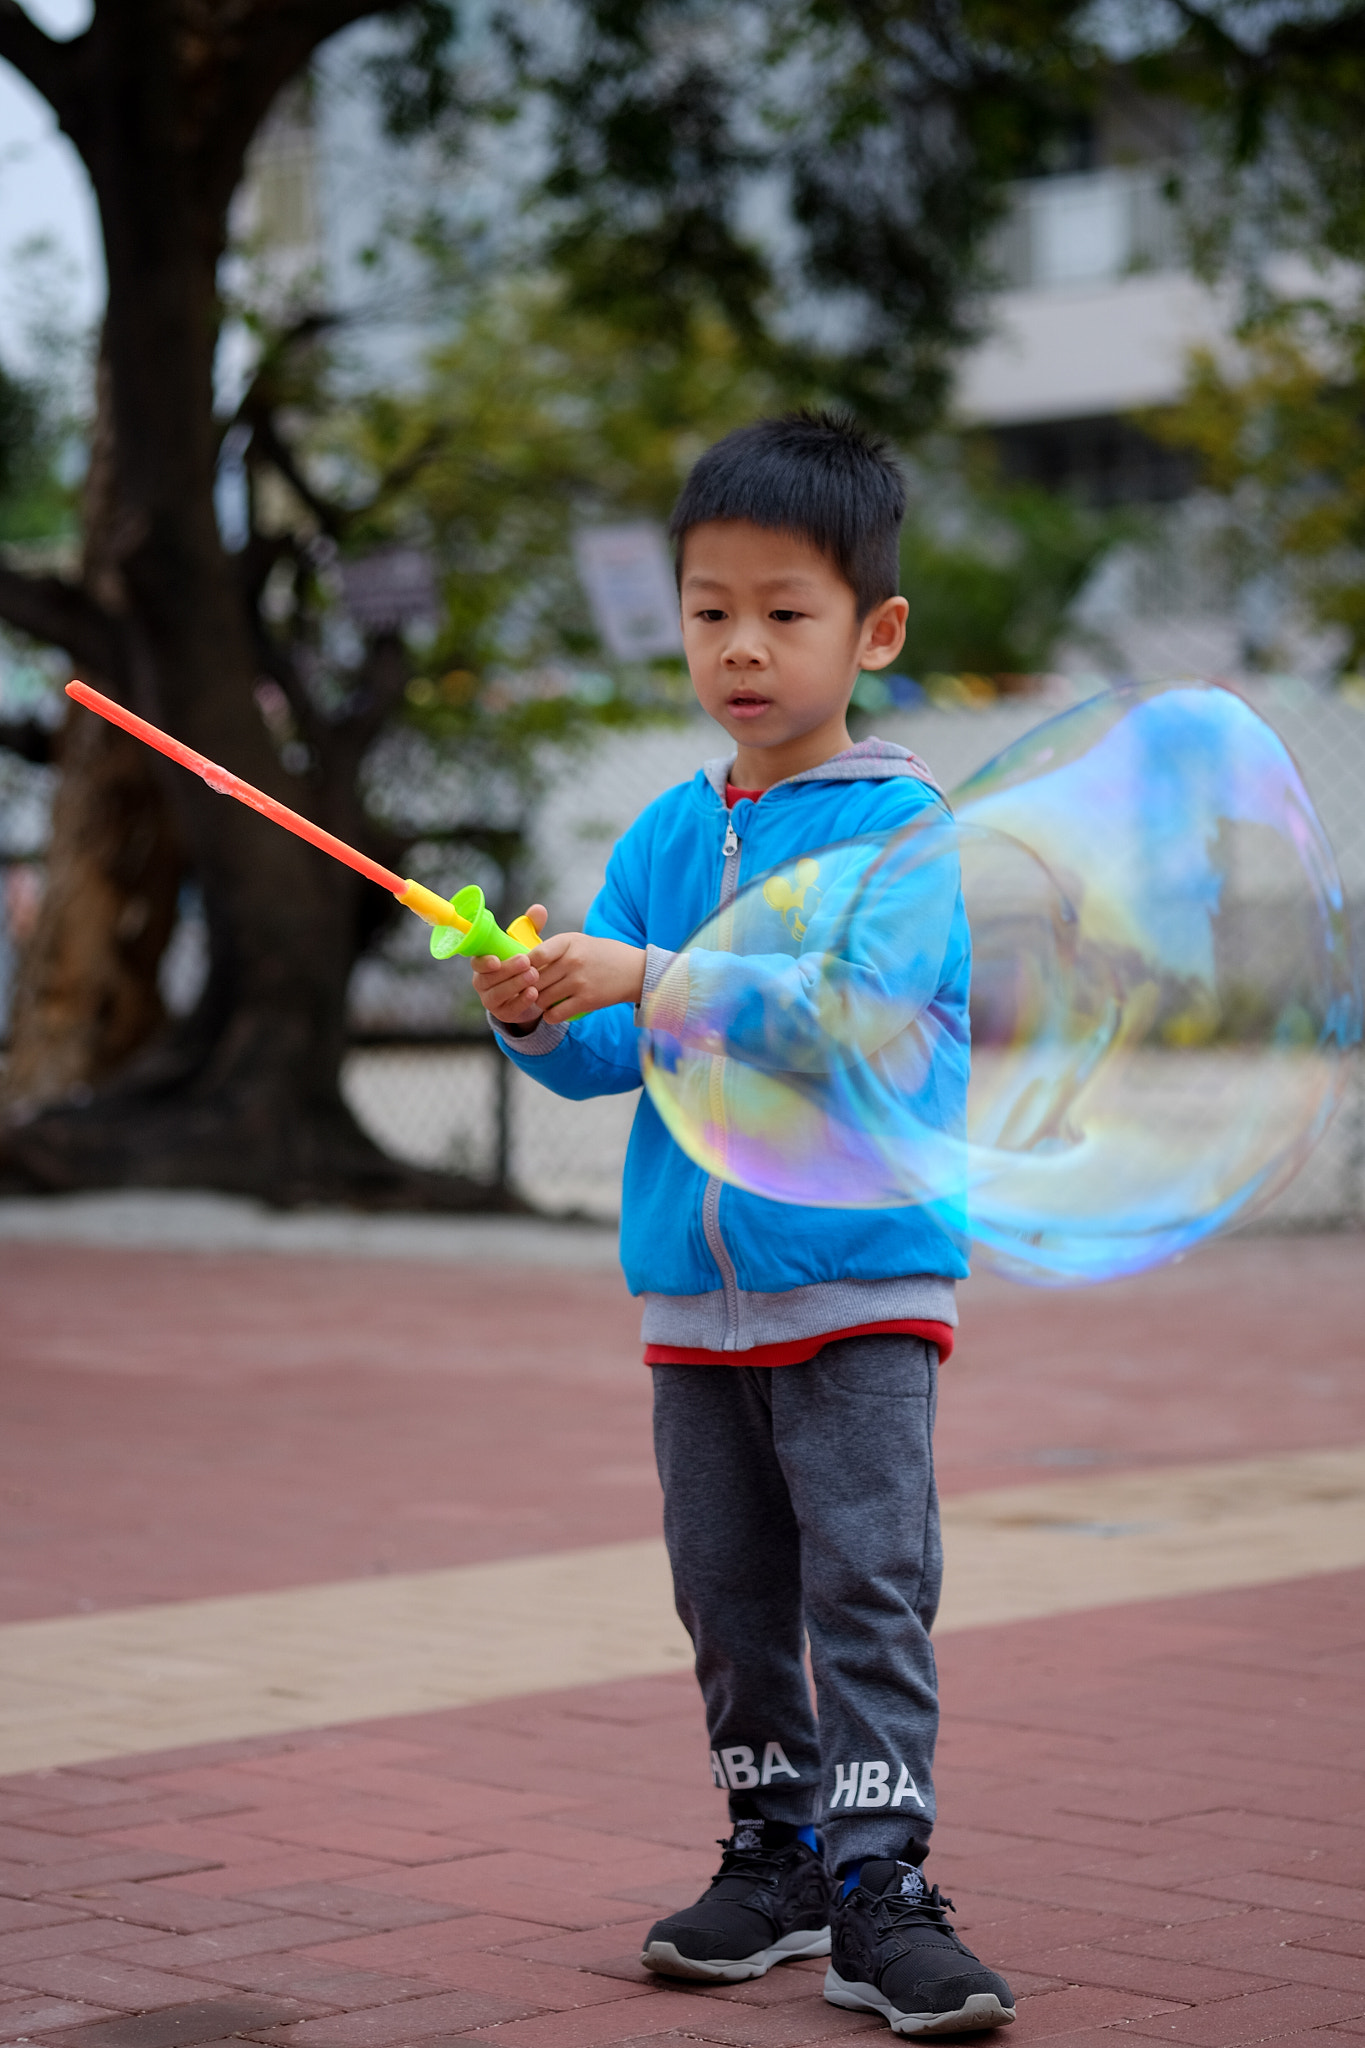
799	1349
735	796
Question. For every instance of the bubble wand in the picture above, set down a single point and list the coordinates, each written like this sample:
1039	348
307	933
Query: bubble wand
464	924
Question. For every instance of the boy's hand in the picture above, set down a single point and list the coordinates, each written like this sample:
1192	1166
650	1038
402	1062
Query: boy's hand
564	978
507	988
575	974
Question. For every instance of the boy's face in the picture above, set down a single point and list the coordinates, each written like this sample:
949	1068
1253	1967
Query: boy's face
773	638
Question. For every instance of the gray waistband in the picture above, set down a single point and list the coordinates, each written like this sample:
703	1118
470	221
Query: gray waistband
698	1321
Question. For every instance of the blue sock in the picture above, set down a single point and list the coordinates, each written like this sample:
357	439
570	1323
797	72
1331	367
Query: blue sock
807	1835
854	1872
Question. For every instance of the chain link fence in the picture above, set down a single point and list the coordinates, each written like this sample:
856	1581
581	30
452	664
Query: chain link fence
459	1104
424	1078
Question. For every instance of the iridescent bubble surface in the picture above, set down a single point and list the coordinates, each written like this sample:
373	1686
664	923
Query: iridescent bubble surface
1163	996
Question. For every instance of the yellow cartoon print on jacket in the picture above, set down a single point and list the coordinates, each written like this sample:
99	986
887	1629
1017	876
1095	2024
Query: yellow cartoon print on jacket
796	906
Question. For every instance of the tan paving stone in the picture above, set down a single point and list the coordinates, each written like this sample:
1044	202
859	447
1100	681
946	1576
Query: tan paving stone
254	1664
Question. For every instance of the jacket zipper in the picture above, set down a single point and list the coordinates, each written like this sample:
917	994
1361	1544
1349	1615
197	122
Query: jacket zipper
710	1208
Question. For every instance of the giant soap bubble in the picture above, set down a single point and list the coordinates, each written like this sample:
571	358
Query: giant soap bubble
1163	993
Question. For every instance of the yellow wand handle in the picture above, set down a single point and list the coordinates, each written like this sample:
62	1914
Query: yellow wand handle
432	908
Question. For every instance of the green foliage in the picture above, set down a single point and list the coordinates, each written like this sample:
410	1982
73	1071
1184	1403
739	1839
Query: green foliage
641	311
1281	435
419	84
532	418
1278	93
991	570
35	505
536	418
873	140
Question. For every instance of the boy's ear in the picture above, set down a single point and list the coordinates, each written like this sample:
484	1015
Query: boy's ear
883	633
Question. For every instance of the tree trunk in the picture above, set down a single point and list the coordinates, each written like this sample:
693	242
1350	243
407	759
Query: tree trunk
245	1095
87	998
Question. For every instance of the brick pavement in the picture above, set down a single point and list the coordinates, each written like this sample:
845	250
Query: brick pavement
1154	1816
179	1425
1154	1821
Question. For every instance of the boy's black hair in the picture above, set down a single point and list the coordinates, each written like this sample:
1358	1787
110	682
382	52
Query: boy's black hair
818	475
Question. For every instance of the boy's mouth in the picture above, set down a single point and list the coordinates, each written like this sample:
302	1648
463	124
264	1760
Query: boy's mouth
746	703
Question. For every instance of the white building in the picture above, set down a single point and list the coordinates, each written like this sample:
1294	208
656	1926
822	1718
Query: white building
1096	324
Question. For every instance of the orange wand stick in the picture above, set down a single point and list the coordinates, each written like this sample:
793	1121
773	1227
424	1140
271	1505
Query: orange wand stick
432	908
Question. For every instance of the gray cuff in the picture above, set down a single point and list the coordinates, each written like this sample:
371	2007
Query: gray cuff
671	1013
544	1038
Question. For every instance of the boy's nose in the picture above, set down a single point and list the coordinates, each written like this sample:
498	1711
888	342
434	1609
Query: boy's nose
745	654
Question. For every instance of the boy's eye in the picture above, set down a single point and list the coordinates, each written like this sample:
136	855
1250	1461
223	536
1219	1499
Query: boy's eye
712	615
784	618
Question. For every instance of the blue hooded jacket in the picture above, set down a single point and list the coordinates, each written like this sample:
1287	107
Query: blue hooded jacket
722	1268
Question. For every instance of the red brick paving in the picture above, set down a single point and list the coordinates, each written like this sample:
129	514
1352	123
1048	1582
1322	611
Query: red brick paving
1118	1908
185	1424
1153	1818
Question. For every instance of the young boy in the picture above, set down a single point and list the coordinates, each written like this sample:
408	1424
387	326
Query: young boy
794	1350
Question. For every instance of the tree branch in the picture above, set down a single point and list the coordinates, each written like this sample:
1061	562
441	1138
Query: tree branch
1215	34
44	63
277	661
270	43
268	445
269	379
411	466
383	678
63	615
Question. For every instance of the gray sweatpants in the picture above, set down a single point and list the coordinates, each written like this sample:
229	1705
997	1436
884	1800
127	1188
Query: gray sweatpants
799	1502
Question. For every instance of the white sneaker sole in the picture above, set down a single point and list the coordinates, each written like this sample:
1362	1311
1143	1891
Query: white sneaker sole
663	1957
982	2010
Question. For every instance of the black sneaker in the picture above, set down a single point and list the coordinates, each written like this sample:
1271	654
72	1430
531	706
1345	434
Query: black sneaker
768	1902
894	1953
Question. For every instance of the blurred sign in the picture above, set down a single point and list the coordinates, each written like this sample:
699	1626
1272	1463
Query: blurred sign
628	577
389	589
